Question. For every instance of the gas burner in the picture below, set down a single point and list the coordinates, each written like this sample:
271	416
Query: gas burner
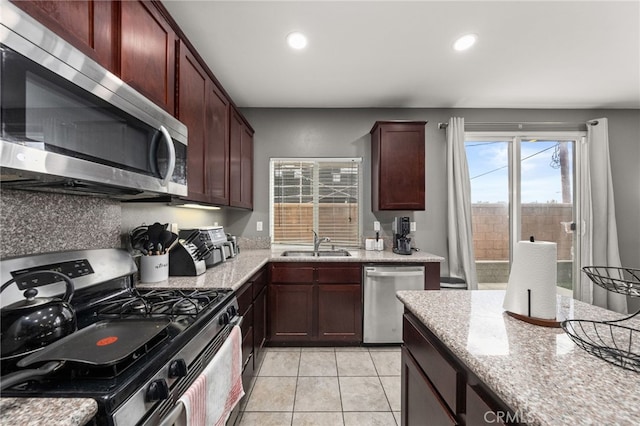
185	307
124	306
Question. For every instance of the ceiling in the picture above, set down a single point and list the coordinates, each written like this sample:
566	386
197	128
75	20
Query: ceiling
529	54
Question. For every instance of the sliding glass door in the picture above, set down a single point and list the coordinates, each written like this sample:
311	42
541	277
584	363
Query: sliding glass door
522	186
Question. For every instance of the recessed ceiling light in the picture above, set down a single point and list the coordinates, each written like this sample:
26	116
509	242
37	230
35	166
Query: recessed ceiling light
297	40
465	42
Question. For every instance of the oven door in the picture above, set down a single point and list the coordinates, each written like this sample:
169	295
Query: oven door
172	412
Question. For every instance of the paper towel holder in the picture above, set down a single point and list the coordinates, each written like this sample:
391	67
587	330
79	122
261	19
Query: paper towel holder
543	322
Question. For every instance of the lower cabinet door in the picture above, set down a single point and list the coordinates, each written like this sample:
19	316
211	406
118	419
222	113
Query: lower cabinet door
290	312
339	312
421	404
247	358
481	410
259	325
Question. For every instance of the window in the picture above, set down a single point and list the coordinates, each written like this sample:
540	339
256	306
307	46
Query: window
522	185
315	194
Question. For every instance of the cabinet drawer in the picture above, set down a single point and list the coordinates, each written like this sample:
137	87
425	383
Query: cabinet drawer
440	372
245	297
421	403
340	275
291	274
259	282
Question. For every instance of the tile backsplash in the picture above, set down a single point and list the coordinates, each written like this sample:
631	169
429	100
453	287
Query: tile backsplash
38	222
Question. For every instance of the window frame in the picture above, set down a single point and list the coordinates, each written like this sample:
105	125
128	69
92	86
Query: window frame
359	197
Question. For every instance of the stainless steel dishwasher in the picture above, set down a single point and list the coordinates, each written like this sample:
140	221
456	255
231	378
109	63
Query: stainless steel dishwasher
382	309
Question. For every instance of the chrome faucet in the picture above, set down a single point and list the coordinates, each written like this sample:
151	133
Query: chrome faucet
319	240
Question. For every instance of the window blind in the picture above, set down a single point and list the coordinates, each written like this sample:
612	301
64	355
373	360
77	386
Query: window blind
316	194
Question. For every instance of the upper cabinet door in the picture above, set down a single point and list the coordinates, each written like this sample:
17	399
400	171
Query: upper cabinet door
147	52
193	83
241	162
397	165
89	25
217	151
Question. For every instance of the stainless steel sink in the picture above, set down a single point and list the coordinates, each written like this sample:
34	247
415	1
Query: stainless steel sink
320	253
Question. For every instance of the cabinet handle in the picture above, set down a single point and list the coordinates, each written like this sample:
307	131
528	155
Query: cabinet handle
395	274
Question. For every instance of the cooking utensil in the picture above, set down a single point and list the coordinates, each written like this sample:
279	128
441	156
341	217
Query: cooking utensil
31	374
175	240
104	343
36	321
155	232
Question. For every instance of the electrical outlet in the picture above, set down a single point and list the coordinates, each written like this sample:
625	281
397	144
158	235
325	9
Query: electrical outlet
259	225
413	227
376	226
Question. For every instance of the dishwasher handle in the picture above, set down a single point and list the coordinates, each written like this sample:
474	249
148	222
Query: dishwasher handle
416	273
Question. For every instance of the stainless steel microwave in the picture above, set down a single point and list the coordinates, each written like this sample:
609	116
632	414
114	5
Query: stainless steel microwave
68	125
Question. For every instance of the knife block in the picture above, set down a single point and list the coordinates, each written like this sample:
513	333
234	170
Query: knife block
183	262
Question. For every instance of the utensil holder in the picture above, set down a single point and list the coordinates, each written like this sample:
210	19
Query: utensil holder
154	268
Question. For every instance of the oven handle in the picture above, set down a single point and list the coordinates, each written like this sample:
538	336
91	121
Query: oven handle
178	409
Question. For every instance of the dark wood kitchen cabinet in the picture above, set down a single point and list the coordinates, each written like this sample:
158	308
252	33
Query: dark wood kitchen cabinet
259	286
398	165
291	302
339	303
89	25
139	42
314	303
147	52
202	106
436	385
241	162
252	306
132	39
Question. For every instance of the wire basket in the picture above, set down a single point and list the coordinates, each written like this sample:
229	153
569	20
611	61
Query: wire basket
614	343
619	280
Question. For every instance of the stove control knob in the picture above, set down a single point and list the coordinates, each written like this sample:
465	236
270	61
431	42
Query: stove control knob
231	310
224	319
177	368
157	390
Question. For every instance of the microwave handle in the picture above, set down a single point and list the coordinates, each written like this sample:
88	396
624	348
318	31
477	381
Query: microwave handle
172	155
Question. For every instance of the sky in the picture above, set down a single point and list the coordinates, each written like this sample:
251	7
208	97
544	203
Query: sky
488	171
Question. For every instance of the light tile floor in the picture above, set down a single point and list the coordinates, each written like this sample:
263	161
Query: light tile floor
325	386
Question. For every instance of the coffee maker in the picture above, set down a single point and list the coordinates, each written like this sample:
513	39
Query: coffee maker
401	242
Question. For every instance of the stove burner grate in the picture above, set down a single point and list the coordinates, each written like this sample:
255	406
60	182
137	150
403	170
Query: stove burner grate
160	303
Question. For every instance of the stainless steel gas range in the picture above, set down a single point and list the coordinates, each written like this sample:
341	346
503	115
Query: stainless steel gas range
135	351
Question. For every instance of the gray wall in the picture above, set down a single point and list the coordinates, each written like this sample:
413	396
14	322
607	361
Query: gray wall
345	133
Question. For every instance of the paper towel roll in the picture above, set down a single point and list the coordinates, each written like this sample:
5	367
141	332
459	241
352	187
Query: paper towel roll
533	268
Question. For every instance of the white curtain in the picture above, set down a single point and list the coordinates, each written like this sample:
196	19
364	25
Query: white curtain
599	239
460	238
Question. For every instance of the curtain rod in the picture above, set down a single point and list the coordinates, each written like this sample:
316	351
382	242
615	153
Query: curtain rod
524	123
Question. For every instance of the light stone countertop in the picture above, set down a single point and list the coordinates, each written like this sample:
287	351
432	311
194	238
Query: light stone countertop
231	274
537	371
47	411
236	271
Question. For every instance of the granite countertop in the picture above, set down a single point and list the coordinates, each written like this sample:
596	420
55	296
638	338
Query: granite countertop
537	371
236	271
47	411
